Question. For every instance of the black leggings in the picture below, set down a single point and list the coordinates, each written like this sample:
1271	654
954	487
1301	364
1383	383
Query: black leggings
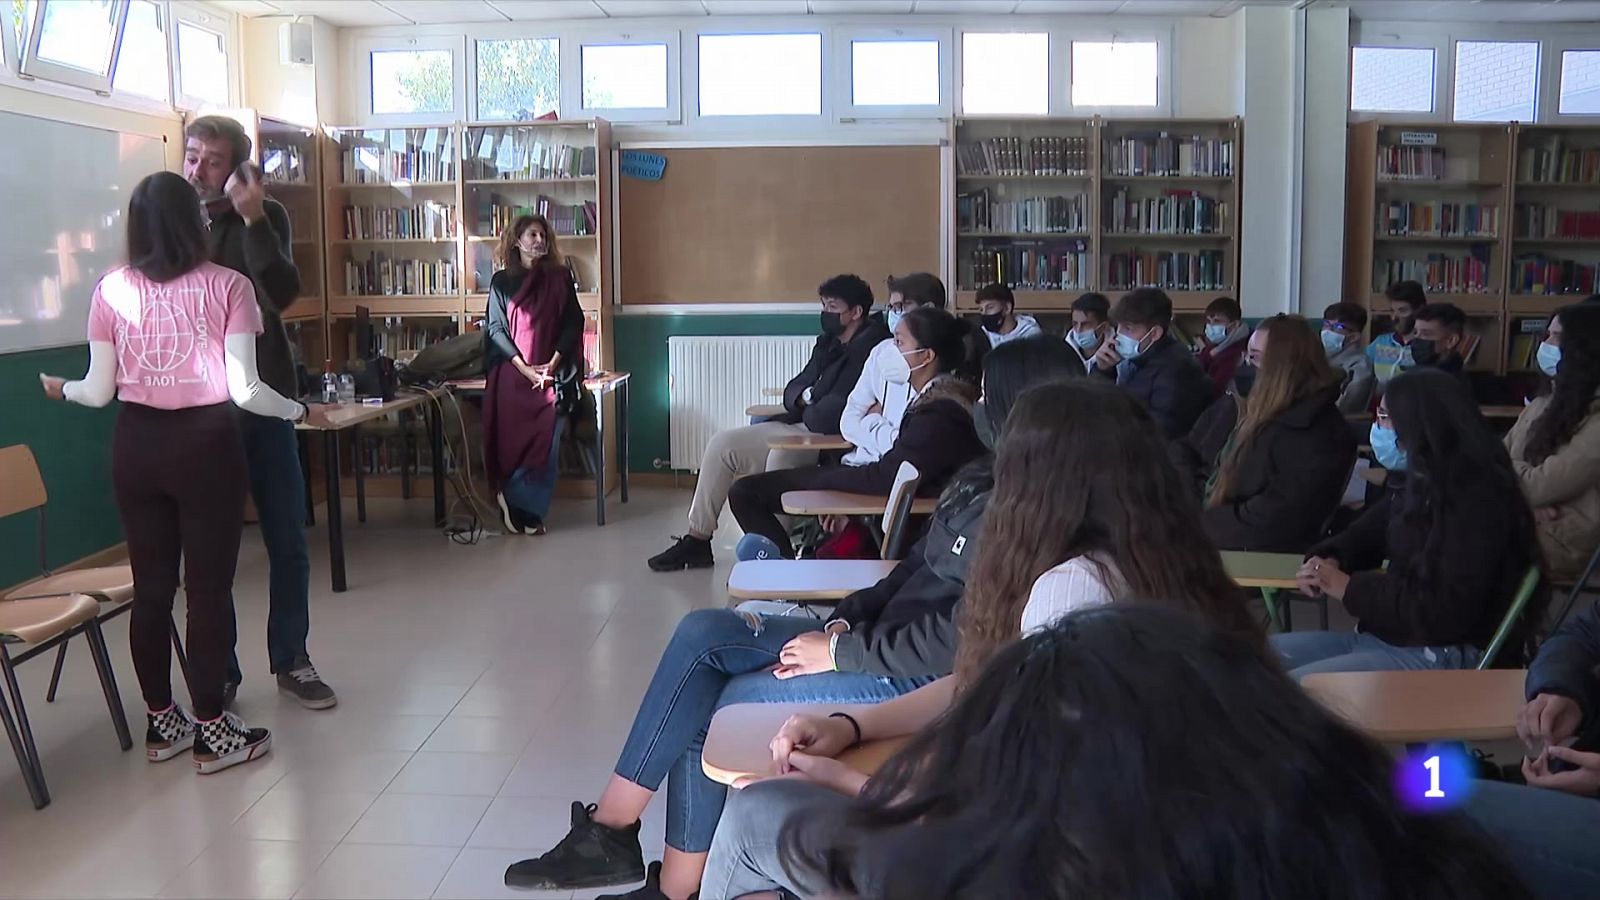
757	500
180	481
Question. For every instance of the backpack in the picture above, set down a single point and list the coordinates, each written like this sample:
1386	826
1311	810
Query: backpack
456	357
952	539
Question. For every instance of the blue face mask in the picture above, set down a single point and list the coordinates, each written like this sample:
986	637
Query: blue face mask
1386	448
893	319
1332	342
1086	340
1128	346
1549	358
1215	333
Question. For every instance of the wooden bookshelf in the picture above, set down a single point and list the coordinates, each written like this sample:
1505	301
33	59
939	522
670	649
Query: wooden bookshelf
1554	251
291	167
1058	207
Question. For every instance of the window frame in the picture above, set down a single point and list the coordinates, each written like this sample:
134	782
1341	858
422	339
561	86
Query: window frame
1163	39
1053	60
164	19
841	62
1438	101
691	80
672	113
210	21
457	43
468	105
1540	65
31	66
1441	42
1550	79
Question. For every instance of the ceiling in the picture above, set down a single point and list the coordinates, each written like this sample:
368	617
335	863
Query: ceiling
357	13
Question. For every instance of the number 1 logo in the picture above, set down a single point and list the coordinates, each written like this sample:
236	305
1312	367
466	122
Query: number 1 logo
1432	765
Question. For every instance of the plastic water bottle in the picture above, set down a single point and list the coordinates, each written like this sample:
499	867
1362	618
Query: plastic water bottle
347	388
330	383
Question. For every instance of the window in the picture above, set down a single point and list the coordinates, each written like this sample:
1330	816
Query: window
1005	73
142	63
624	76
894	73
73	42
760	74
515	77
1496	81
1580	83
412	81
202	65
1114	73
1391	79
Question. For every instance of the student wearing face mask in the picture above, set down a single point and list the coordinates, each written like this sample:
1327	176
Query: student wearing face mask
875	407
1091	326
1342	327
997	308
1222	346
1439	339
1388	352
1149	363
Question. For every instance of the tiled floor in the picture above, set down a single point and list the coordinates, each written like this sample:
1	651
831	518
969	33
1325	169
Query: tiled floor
482	689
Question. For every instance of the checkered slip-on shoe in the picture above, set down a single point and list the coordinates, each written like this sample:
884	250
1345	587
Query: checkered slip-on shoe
167	733
226	741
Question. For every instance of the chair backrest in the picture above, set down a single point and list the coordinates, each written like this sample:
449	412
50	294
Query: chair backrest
898	509
21	485
1530	583
1578	587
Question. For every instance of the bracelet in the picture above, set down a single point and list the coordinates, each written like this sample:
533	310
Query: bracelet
853	724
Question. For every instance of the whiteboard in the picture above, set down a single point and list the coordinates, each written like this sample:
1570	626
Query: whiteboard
64	193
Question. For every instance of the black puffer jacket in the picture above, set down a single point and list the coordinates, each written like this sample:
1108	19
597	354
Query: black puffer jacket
830	374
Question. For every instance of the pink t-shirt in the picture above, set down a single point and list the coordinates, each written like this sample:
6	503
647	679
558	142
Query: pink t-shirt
170	336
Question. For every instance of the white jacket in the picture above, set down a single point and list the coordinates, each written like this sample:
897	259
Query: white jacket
873	434
1027	326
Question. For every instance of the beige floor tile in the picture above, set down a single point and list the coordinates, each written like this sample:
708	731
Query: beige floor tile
366	770
482	734
420	819
479	874
369	872
290	812
237	869
530	823
461	774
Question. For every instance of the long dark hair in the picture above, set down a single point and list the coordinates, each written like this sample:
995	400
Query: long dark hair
1138	752
1576	383
1083	469
957	346
1014	366
510	258
166	230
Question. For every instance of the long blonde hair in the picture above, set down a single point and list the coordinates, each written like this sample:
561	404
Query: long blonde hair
1293	366
508	257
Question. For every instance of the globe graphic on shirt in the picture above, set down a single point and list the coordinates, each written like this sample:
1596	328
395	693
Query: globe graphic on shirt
163	339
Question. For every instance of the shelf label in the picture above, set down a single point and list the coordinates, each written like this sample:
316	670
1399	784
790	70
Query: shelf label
645	166
1419	138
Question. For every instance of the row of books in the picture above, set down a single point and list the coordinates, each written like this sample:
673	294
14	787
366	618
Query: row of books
1458	273
1410	163
420	220
484	266
1551	162
521	152
1539	274
1529	334
377	156
1438	219
1031	265
397	341
284	164
1536	220
1166	154
980	211
1024	156
381	275
1199	270
1174	212
569	219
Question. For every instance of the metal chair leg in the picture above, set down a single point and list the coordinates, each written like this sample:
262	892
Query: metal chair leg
177	650
55	677
40	800
108	682
30	750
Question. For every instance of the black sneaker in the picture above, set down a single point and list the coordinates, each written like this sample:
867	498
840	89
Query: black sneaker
303	683
591	855
688	553
509	517
167	733
225	742
650	891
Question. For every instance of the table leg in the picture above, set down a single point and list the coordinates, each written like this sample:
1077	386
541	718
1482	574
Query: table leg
622	439
330	444
600	460
406	445
436	446
305	477
361	474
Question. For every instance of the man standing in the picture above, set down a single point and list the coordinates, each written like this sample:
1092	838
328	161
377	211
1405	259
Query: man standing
250	234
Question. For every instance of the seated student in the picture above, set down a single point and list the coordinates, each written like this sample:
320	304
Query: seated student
1148	363
1555	445
1222	346
813	402
1271	457
1439	339
997	308
1388	352
1091	326
1109	756
1456	532
937	357
875	405
879	642
1342	327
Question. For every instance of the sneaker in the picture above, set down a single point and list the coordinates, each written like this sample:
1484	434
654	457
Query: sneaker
688	553
167	733
591	855
225	742
534	525
303	683
509	517
650	891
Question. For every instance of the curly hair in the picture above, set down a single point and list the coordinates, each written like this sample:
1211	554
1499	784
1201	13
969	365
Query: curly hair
1576	383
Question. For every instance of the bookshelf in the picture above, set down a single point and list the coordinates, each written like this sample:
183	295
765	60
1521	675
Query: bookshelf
1555	232
1057	207
292	172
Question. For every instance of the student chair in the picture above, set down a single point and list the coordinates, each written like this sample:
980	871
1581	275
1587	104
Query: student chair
1578	588
897	512
1508	624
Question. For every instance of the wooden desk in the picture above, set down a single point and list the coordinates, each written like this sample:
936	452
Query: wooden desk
1271	572
1502	412
1426	705
840	503
804	579
764	410
737	744
809	442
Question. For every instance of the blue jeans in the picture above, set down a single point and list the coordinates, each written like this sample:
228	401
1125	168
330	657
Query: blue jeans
1308	652
279	489
530	491
1547	836
716	659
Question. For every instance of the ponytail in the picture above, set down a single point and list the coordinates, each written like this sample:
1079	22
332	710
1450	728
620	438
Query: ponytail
958	347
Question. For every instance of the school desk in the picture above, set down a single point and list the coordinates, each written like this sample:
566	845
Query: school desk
841	503
805	580
1408	707
738	743
1271	573
809	442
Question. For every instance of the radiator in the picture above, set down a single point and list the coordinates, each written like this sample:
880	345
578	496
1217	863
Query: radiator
711	380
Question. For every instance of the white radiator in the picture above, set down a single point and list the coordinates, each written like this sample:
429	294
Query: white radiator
713	380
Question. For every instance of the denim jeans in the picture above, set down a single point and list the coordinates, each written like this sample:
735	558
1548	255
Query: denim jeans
1308	652
530	491
1547	836
279	489
744	855
716	659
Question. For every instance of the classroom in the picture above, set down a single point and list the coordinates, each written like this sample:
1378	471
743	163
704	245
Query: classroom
668	449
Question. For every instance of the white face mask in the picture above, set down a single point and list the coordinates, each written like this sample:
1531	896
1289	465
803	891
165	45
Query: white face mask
895	367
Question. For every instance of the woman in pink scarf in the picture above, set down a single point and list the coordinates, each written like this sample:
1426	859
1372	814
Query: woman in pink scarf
532	342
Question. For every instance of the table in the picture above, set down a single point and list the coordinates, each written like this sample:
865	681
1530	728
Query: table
764	410
809	442
1502	412
805	579
737	744
1413	707
1271	572
841	503
351	416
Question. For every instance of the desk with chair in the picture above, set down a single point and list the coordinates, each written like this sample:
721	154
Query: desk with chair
764	410
809	442
1270	573
1417	706
805	580
737	744
842	503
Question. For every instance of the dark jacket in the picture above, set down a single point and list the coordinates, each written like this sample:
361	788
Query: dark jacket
1569	664
1170	384
1221	361
263	252
1471	585
1289	482
937	436
498	347
830	374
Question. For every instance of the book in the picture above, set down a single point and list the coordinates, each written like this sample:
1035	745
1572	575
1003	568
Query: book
1448	273
380	274
980	211
421	220
1173	212
1166	154
1536	220
380	156
1548	161
529	153
1397	162
1029	265
1196	270
1539	274
1439	219
1018	156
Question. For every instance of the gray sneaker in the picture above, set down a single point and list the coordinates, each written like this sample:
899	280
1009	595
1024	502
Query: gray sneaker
304	684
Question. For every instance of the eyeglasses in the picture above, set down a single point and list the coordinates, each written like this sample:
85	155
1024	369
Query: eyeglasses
904	306
1340	327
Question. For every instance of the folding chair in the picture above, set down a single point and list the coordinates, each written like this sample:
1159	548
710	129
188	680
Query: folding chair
1508	624
1578	588
897	512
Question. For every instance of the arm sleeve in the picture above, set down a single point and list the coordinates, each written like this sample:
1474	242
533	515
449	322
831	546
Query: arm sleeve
498	327
1567	663
246	387
870	431
826	413
270	259
867	603
806	377
1302	480
924	646
570	341
99	385
1165	398
1567	473
1061	590
1362	545
1357	393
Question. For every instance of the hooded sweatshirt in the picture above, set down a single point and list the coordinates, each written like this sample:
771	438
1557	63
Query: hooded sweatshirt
1027	326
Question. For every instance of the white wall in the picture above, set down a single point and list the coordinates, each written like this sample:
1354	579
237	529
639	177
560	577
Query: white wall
302	94
1268	279
1206	68
1326	110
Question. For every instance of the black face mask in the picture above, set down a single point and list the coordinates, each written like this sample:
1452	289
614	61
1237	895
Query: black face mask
987	433
992	323
1425	352
1244	378
831	324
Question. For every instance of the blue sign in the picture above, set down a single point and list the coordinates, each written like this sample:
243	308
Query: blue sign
648	166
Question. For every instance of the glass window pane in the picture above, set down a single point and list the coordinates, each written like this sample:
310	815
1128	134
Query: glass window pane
760	74
412	81
1005	73
624	76
142	64
202	64
1496	81
78	34
518	76
1580	83
1391	79
1114	73
894	73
